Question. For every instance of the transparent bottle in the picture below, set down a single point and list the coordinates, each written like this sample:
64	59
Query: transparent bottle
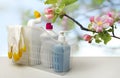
47	43
61	55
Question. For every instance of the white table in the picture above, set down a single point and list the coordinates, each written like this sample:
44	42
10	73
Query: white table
82	67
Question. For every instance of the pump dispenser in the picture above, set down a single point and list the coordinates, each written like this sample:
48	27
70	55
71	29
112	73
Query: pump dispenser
61	55
61	37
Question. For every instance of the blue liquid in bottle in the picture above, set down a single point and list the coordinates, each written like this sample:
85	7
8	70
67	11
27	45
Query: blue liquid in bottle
61	56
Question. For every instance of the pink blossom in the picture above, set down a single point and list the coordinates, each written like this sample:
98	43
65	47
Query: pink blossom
49	13
99	29
102	22
49	10
110	14
87	37
49	16
110	21
92	19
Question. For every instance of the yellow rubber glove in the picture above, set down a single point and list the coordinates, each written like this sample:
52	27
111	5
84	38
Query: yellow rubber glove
16	57
10	53
20	53
24	49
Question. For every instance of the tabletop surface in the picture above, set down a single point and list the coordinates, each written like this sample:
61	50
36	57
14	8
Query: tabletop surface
82	67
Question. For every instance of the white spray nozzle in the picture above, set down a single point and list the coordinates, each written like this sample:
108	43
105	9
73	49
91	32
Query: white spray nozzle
62	33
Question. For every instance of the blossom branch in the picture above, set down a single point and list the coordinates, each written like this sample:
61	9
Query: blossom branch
86	29
113	34
82	28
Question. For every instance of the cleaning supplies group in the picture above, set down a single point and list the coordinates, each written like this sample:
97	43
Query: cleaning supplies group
54	52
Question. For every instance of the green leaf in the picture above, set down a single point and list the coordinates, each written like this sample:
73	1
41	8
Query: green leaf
59	12
97	39
68	2
55	17
61	16
105	36
51	1
98	2
60	9
110	30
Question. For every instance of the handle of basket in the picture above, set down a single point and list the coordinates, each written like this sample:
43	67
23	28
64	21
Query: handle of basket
32	22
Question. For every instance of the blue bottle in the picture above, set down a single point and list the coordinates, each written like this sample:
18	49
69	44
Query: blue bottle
61	55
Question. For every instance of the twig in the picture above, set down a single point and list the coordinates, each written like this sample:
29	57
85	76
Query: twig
82	28
115	37
113	31
86	29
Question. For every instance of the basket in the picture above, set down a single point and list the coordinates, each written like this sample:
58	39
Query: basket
40	55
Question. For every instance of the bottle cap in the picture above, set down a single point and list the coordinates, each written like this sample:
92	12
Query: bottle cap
49	26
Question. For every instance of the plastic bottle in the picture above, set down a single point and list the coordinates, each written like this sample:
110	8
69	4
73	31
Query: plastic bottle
32	33
61	55
47	39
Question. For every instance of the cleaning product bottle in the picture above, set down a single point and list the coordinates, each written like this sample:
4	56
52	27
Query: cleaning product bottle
32	32
61	55
47	42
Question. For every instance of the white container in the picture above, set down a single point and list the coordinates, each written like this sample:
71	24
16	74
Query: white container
34	45
47	41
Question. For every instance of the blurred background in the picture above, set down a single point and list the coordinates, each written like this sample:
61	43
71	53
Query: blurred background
14	12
